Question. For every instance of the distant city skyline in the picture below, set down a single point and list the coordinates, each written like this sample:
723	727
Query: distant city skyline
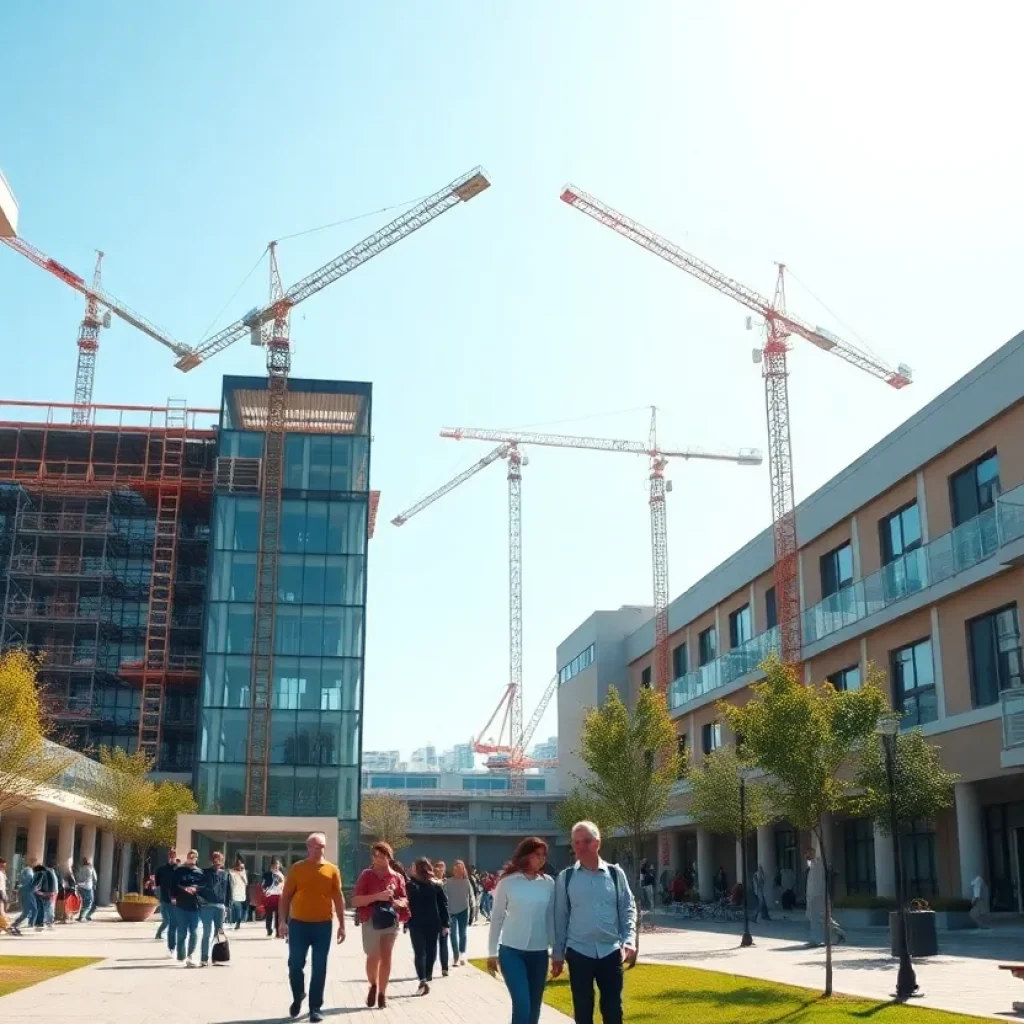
458	758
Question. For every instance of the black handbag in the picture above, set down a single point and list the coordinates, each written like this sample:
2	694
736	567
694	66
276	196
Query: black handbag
384	916
221	952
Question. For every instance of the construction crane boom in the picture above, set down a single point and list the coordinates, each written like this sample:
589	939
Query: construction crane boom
755	302
118	308
519	754
88	345
461	190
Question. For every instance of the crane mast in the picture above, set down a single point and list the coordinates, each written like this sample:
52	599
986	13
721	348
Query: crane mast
659	556
779	326
88	345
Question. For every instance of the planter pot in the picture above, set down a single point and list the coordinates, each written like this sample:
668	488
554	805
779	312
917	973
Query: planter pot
921	925
134	912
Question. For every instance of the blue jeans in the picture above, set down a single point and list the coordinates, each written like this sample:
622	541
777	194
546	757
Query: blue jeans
44	909
457	933
302	937
28	908
212	915
525	972
167	924
238	909
186	925
88	905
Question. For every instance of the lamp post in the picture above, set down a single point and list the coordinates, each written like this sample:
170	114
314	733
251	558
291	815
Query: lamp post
906	979
747	939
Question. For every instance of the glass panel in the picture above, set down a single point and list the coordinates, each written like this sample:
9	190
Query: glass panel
310	746
984	672
287	685
344	583
280	790
306	791
342	632
295	475
327	792
229	796
319	463
282	737
289	578
341	464
339	684
347	528
242	585
316	527
287	630
240	628
246	534
293	525
313	579
216	628
312	631
224	735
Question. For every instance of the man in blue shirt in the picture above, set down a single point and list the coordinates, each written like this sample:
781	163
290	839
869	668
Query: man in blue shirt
595	928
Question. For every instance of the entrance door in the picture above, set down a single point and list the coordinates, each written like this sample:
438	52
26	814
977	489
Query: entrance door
257	862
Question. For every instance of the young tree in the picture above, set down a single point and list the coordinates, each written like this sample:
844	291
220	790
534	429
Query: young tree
805	738
169	799
582	805
387	820
28	761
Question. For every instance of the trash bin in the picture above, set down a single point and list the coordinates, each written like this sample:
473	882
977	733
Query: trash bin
921	932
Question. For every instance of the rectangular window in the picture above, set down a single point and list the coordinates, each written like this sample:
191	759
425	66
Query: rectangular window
859	843
974	488
771	612
913	683
836	570
679	668
900	533
995	654
711	736
846	678
645	678
920	865
682	748
740	627
707	646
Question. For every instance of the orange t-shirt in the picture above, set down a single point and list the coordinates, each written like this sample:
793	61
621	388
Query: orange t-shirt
311	888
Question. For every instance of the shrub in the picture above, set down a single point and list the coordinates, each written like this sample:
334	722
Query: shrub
137	897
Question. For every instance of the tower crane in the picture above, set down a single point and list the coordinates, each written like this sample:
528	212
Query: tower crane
658	457
779	326
88	345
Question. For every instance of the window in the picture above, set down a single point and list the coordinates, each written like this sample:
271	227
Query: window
582	660
711	736
771	612
900	533
681	746
917	844
740	627
994	644
846	678
645	678
859	842
510	812
836	570
974	488
913	683
679	661
707	646
535	785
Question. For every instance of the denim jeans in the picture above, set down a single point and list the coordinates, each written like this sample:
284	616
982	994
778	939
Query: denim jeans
458	933
238	909
88	904
525	972
166	923
28	908
186	925
212	916
304	936
45	903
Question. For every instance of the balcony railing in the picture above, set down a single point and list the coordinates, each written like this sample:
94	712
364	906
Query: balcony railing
1013	717
946	556
423	823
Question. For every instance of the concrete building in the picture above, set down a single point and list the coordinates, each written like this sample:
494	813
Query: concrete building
459	759
381	760
546	751
424	759
911	558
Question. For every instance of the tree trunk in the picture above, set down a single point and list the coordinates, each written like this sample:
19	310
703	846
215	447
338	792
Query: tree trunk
636	842
141	871
828	909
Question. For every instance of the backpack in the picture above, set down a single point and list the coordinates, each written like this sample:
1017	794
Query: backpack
614	870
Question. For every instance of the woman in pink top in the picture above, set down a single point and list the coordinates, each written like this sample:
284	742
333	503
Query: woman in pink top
379	884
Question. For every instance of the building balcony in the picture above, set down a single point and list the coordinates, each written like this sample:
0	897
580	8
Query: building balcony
996	530
429	824
1012	711
8	210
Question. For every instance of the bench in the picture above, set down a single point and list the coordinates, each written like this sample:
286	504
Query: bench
1017	970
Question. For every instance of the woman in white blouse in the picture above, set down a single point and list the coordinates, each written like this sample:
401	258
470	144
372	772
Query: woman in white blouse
522	929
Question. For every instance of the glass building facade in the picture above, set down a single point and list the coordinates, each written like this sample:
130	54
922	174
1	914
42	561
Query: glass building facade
319	610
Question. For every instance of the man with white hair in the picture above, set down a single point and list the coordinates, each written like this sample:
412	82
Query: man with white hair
595	928
312	891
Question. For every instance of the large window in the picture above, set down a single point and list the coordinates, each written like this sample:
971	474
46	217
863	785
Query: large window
707	646
578	664
900	533
917	844
679	667
740	626
859	843
711	736
913	683
994	643
771	611
323	463
836	570
681	745
846	678
974	488
645	677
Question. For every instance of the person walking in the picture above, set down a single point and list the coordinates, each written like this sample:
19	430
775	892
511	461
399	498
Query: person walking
522	929
5	922
27	892
428	920
440	870
215	899
239	889
46	895
459	891
165	886
487	895
311	892
761	891
815	900
272	884
85	877
595	928
382	905
979	902
188	883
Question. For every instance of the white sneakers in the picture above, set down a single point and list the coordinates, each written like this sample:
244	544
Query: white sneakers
189	962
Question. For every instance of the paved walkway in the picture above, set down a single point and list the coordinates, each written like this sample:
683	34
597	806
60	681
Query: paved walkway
136	983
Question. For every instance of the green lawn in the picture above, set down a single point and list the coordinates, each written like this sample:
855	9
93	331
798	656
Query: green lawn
21	971
658	994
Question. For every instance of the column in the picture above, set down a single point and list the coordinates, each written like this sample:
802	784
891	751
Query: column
472	849
855	547
705	866
922	506
937	673
668	853
66	840
885	866
970	832
36	847
766	859
87	843
8	843
124	881
106	869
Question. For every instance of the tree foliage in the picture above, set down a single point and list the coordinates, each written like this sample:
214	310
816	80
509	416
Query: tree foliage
28	762
386	819
169	800
582	805
922	786
715	795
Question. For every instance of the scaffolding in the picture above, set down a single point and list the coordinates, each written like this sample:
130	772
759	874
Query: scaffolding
103	545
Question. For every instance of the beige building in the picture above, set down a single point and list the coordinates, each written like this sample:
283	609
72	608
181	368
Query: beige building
911	558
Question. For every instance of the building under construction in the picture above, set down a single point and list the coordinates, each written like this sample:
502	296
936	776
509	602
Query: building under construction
133	549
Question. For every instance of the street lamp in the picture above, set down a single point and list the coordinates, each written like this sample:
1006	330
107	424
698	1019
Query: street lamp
747	939
906	980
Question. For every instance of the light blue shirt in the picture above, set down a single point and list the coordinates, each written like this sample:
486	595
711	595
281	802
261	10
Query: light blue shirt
592	921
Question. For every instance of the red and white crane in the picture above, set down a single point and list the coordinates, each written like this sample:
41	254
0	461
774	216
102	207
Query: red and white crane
658	457
778	326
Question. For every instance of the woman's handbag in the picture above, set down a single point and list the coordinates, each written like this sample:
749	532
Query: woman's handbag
221	952
384	916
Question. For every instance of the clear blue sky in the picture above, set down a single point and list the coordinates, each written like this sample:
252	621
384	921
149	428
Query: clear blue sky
875	151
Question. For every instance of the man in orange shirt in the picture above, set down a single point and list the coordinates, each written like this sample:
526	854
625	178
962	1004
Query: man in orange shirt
312	891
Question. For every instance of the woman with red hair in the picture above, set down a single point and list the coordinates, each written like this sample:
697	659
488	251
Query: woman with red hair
522	928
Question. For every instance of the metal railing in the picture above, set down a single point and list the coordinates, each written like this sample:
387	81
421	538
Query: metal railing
1012	702
420	823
